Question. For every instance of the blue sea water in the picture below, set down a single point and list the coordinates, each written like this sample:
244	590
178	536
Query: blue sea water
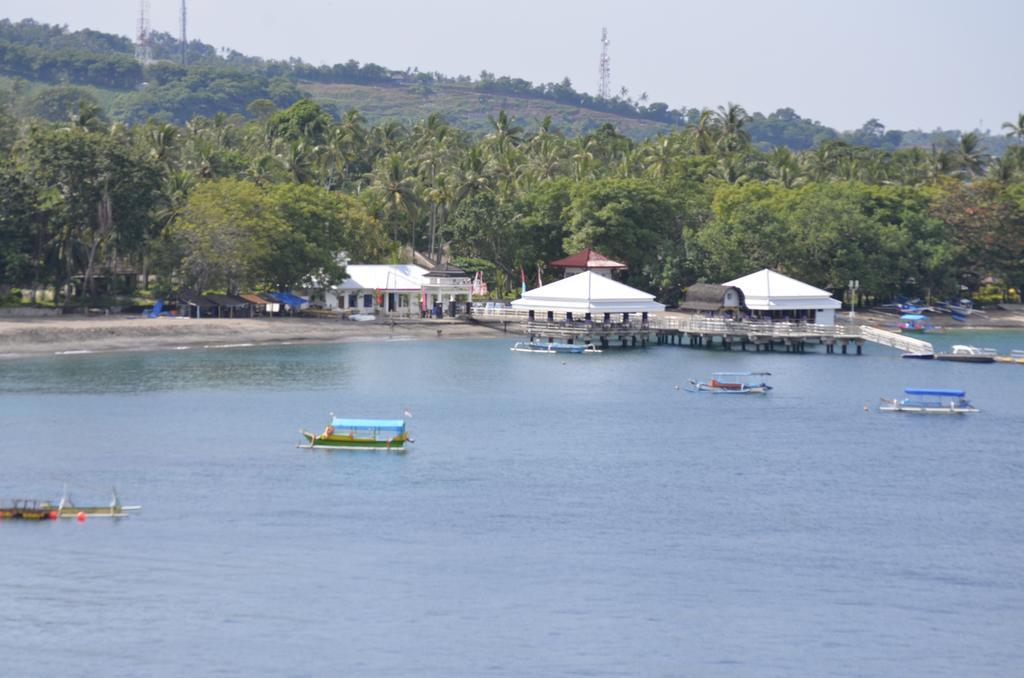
557	515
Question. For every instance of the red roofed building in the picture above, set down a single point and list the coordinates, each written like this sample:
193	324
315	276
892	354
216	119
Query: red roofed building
587	260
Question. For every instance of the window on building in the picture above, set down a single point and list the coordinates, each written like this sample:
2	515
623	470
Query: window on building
367	301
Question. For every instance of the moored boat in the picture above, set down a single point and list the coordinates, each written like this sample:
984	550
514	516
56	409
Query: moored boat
35	509
968	354
360	434
728	385
929	401
915	323
553	347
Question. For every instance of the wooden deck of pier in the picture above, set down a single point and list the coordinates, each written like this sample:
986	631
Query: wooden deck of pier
697	331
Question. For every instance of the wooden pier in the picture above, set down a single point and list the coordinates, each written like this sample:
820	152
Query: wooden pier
678	330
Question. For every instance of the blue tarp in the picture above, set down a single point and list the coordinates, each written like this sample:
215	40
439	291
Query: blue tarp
396	425
953	393
913	316
290	299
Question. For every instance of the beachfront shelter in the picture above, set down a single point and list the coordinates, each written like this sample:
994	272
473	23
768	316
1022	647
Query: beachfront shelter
585	296
587	259
229	305
770	295
194	305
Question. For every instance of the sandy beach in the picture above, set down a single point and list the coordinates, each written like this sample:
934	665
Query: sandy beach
24	337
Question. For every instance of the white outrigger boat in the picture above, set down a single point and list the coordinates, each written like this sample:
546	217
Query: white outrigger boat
930	401
553	347
715	385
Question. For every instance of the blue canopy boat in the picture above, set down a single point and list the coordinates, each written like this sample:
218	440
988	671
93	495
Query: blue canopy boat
917	323
930	401
360	434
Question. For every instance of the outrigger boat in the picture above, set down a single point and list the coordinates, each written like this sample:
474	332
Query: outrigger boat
553	347
115	509
360	434
715	385
930	401
34	509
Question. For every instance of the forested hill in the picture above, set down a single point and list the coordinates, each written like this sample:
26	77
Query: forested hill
46	70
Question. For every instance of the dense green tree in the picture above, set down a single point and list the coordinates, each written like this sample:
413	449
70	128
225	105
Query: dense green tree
627	219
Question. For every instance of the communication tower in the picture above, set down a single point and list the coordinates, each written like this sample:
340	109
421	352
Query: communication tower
184	34
605	90
143	51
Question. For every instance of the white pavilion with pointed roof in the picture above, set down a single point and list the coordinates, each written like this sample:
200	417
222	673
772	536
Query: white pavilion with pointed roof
772	295
585	295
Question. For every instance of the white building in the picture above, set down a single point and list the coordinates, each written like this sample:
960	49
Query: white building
398	289
771	295
586	296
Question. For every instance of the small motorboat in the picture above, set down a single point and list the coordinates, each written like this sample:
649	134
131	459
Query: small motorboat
727	384
929	401
553	347
968	354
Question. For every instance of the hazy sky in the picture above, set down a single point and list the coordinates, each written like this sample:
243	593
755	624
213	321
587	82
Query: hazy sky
911	64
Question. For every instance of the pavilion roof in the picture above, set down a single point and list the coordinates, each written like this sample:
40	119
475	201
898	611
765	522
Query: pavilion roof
587	258
590	293
768	290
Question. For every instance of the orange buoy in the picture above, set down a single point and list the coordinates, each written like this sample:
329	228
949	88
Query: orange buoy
53	515
80	517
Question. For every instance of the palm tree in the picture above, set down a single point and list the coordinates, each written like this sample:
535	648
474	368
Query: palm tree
731	120
658	157
970	156
397	187
1015	130
705	133
783	167
505	134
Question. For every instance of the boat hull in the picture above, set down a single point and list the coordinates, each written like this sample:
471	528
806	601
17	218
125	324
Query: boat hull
910	409
553	348
743	389
355	444
952	357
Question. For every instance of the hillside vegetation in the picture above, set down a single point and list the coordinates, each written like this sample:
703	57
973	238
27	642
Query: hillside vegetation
47	65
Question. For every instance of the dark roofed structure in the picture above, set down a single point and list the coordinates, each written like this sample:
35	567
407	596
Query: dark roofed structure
712	298
447	270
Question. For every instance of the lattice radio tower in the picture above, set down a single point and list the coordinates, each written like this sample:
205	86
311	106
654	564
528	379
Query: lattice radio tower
605	90
143	51
184	34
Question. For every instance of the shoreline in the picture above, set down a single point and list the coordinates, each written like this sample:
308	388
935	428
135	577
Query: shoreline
42	337
22	337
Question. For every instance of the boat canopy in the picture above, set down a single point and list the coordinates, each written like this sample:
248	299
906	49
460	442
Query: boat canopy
397	425
913	316
954	393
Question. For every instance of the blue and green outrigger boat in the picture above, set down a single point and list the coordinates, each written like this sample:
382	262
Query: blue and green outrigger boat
360	434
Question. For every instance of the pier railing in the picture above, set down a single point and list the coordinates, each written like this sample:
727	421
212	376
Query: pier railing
753	328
